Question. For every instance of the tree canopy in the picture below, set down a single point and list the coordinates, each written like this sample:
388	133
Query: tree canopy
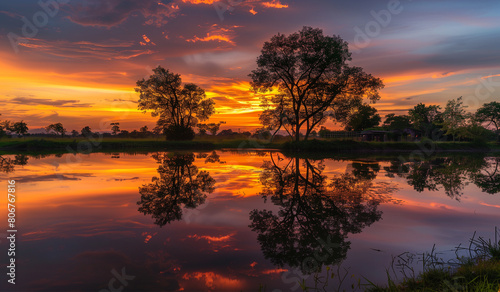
425	118
58	128
179	107
489	113
365	117
394	122
20	128
314	80
454	117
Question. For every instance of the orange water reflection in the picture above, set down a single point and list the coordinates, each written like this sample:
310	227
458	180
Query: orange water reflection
79	218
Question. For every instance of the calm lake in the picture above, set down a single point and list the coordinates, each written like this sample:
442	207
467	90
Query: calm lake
236	221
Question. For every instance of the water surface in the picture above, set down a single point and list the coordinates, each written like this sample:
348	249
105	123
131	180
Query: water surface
236	221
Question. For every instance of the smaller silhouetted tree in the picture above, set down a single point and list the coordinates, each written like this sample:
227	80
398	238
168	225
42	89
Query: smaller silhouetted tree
20	128
86	131
454	117
202	129
214	127
365	117
58	128
115	128
394	122
489	113
426	118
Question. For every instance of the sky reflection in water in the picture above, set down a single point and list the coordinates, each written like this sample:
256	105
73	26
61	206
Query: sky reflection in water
232	221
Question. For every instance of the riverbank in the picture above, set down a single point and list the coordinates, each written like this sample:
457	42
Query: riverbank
82	145
476	268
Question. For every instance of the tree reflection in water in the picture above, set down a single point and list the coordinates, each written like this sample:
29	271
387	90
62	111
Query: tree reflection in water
488	178
180	184
7	164
452	174
316	213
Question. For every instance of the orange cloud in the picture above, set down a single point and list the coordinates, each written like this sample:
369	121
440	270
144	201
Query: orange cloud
208	38
208	2
490	76
274	4
212	238
489	205
215	281
147	40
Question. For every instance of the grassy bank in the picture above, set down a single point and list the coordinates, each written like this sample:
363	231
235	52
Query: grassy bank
477	270
68	145
62	145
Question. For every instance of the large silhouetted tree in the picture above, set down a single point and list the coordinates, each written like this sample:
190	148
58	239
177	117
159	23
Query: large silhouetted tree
179	107
179	184
313	78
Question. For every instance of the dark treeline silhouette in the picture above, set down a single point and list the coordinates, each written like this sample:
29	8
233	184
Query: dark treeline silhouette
426	121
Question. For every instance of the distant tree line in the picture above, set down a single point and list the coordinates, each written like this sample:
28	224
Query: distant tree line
429	121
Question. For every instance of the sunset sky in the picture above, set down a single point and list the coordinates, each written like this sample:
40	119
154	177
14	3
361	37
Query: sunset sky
77	61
